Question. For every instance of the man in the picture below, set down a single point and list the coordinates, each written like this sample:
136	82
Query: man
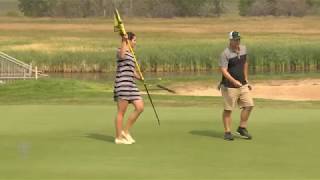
234	86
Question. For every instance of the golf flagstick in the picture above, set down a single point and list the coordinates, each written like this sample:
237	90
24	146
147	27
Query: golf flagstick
119	26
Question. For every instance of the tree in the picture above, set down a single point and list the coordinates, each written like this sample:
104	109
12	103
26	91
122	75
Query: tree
291	7
273	7
244	7
37	8
188	8
212	8
218	7
68	8
263	8
313	7
163	8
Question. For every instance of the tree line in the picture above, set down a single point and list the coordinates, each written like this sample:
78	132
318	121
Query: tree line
143	8
165	8
278	7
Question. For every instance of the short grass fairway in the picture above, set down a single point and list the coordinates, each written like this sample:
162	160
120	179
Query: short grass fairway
76	142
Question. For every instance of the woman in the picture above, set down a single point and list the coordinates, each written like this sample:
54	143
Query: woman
125	90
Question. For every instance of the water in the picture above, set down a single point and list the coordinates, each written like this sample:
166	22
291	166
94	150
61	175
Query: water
101	77
214	76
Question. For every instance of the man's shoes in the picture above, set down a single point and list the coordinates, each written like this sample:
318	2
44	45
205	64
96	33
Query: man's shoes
243	132
228	136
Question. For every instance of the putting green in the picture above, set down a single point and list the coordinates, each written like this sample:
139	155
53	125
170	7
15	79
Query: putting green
76	142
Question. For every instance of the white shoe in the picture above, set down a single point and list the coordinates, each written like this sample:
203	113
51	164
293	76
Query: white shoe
121	141
128	137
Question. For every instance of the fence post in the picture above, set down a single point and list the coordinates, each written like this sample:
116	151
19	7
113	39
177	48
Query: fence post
30	70
36	68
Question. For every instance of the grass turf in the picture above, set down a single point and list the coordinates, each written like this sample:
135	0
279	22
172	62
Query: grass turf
76	142
63	129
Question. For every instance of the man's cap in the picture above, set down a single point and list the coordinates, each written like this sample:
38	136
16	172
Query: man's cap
234	35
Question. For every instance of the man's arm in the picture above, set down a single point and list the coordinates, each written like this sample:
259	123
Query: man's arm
227	75
246	71
246	77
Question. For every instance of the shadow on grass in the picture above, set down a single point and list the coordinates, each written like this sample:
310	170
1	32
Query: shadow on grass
100	137
208	133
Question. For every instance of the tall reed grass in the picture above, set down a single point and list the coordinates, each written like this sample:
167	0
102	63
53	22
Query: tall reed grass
176	45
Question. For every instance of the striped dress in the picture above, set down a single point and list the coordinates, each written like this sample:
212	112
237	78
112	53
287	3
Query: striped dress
125	87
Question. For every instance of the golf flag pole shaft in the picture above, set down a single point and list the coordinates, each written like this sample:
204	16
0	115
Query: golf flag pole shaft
119	26
142	78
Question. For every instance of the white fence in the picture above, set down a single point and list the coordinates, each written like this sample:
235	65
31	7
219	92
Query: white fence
11	69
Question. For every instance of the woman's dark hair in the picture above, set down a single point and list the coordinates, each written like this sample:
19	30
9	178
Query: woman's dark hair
131	35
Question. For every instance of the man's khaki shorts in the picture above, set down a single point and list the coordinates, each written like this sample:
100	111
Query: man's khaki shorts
234	96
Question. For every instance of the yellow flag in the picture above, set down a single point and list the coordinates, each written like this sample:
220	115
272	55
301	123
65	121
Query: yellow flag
118	25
